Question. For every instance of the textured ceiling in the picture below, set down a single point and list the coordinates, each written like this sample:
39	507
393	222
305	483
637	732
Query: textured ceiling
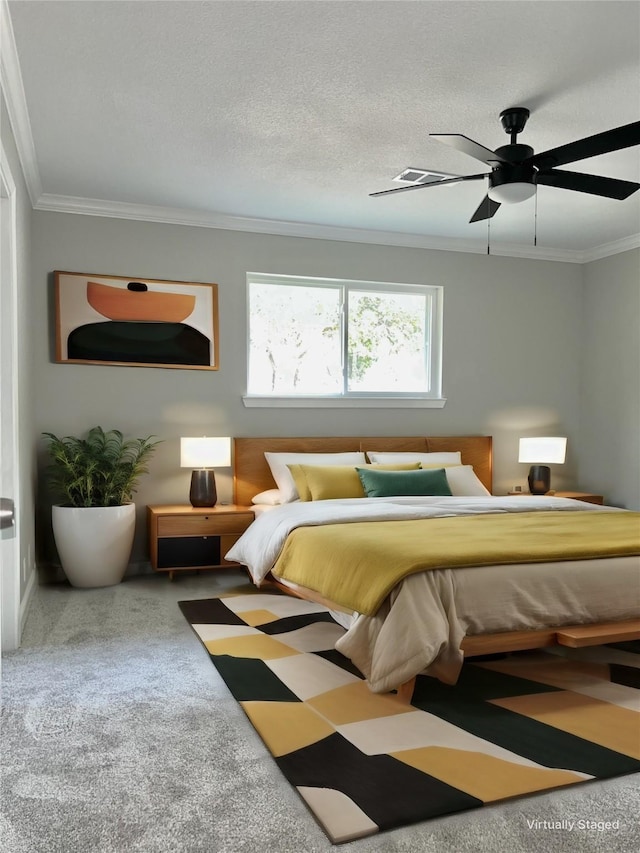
295	111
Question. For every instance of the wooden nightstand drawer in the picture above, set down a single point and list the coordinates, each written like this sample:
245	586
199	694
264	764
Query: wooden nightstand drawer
184	537
203	525
188	552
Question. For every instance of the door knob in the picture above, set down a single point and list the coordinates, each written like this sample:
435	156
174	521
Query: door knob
7	513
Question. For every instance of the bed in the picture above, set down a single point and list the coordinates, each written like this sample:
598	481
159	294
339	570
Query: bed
433	615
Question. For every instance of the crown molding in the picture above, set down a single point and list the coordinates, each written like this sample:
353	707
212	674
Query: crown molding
203	219
616	247
13	92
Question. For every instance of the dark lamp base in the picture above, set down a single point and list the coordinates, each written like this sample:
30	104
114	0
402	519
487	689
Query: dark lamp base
203	488
539	479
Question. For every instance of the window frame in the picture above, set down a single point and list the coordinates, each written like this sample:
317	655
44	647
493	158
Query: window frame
365	399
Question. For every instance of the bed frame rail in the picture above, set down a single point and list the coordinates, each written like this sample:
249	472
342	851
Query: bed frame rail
571	636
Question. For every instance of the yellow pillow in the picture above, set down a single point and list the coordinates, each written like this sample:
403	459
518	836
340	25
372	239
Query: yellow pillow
299	478
327	482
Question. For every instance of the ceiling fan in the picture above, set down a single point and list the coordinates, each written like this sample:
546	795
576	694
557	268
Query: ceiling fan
516	171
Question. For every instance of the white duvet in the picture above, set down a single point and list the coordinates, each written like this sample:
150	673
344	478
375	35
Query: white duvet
258	548
423	621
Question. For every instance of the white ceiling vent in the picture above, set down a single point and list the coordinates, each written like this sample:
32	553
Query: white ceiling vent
421	176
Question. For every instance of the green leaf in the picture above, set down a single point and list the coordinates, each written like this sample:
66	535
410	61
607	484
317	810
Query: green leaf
101	470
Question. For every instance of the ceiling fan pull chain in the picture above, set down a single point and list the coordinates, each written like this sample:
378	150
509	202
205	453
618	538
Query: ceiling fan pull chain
488	232
535	219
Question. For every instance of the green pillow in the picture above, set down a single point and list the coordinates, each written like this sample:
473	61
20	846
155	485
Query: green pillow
385	484
323	482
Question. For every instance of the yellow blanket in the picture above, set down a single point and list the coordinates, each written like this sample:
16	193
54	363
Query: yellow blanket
357	564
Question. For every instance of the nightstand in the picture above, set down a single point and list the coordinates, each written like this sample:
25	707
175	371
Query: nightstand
183	537
587	497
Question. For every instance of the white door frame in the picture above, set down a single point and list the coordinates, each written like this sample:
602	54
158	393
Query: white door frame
10	623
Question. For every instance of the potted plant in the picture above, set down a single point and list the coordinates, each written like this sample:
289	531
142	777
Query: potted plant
93	480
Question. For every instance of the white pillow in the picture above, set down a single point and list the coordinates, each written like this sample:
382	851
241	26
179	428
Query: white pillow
454	458
278	463
464	482
272	497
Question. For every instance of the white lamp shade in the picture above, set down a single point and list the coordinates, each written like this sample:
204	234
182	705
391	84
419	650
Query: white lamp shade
205	452
512	193
542	450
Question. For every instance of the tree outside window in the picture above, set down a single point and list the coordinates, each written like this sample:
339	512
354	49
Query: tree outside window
323	337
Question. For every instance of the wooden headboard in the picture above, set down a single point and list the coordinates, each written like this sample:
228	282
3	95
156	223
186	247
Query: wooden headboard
251	473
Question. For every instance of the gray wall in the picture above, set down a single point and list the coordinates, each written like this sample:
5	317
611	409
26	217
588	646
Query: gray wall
512	338
609	437
26	451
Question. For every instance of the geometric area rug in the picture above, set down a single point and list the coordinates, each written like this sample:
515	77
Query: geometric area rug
365	762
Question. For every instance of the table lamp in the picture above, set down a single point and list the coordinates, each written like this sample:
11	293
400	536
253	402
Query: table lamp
547	449
202	455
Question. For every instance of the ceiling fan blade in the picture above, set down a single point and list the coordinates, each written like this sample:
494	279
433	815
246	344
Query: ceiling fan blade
468	146
486	209
430	184
591	146
593	184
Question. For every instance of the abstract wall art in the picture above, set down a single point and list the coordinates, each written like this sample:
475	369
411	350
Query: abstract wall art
135	322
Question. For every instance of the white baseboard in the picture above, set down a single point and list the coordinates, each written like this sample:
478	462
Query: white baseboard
25	602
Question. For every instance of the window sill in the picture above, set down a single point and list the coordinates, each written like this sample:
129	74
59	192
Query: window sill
344	402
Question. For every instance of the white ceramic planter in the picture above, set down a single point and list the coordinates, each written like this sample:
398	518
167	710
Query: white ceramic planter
94	543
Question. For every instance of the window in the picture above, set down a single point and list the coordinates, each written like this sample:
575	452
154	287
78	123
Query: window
342	340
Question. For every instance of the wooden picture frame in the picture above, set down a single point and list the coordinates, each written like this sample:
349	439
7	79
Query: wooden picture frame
135	322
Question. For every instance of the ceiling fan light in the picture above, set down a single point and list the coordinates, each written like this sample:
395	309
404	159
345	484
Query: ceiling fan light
512	193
